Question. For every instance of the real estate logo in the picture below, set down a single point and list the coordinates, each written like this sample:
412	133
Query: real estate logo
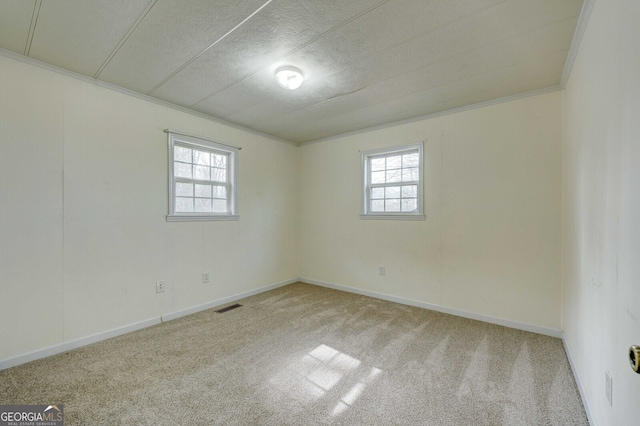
31	415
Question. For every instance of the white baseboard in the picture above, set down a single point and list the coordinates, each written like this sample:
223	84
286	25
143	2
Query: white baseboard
581	389
224	300
83	341
76	343
499	321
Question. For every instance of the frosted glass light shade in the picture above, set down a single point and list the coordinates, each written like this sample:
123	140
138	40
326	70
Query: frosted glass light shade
289	77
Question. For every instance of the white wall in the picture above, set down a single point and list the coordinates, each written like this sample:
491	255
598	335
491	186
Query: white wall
491	242
602	209
83	236
83	199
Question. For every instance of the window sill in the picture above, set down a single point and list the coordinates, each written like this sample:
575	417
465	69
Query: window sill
200	218
393	216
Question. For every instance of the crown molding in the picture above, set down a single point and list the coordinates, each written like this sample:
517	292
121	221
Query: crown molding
578	34
37	63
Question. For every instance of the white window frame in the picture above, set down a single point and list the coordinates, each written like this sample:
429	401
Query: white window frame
195	142
366	157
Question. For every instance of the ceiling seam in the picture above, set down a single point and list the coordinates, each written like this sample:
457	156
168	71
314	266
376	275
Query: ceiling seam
457	81
336	28
466	52
124	39
436	106
483	104
119	89
433	30
190	61
313	40
542	89
32	27
350	96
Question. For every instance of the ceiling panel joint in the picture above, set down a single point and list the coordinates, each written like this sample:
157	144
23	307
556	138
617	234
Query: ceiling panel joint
225	35
32	27
126	37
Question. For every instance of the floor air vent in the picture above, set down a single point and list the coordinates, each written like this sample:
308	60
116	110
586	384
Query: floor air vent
228	308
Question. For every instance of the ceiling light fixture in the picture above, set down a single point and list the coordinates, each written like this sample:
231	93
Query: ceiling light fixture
289	77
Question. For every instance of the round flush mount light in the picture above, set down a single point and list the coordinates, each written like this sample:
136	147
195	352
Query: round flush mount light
289	77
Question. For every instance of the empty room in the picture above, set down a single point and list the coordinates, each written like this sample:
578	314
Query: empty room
299	212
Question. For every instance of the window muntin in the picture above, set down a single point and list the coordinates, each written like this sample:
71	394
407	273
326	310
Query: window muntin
393	183
202	179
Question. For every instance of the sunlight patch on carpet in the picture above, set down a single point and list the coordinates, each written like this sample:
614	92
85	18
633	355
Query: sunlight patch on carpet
325	372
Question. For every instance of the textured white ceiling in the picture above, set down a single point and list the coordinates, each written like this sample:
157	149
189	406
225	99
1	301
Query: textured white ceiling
366	62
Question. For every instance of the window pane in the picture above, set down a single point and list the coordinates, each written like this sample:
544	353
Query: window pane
219	206
218	175
377	177
377	205
410	160
201	172
394	162
219	160
409	191
410	175
392	205
203	191
392	192
202	180
184	204
409	205
393	176
203	205
219	192
377	164
182	154
377	193
182	170
392	179
202	158
184	189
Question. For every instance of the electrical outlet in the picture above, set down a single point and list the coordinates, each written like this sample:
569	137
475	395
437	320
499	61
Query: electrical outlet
206	277
609	386
382	270
159	286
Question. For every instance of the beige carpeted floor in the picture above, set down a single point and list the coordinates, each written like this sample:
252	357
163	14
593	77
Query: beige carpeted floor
304	355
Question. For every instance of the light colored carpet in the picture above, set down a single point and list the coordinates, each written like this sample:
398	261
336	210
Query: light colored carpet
304	355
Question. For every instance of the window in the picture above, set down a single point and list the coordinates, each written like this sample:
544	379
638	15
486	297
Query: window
202	179
392	186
